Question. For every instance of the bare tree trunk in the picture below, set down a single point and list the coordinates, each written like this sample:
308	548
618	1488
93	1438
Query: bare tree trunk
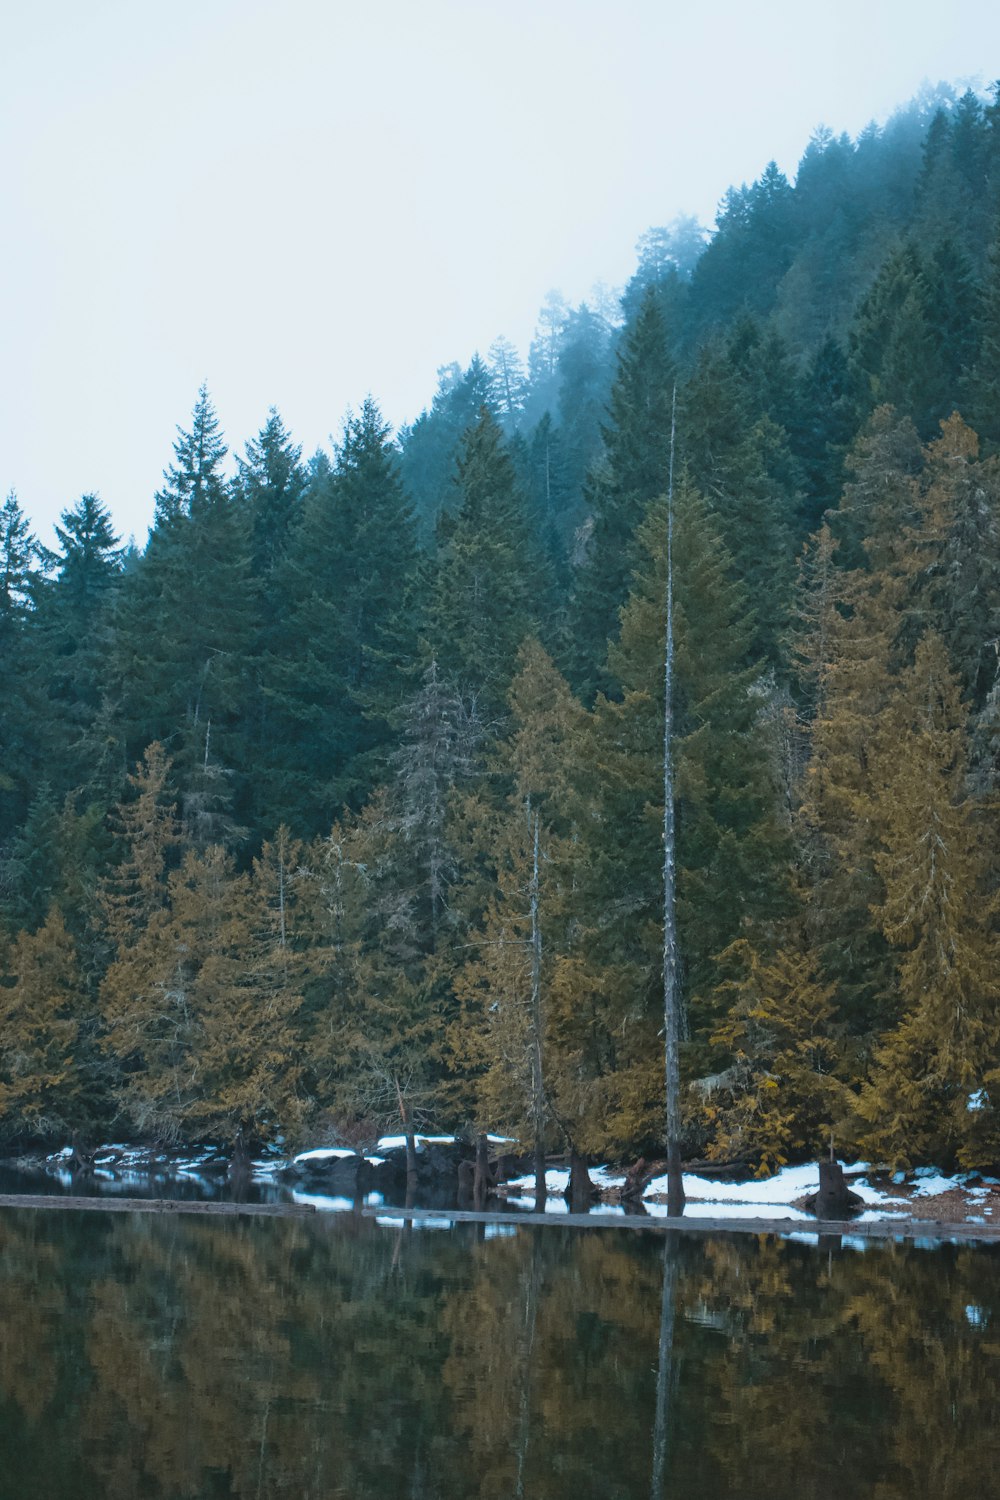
538	1111
411	1145
481	1184
671	1019
581	1189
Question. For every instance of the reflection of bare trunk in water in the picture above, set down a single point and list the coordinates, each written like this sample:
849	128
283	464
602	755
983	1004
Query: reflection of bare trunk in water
665	1368
263	1444
528	1346
417	1490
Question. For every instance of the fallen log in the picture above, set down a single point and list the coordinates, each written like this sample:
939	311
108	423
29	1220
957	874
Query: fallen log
153	1205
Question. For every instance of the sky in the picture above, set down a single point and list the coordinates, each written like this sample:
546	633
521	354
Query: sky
306	202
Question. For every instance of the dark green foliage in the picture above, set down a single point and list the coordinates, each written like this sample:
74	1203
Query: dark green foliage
271	483
489	581
74	630
336	662
22	716
741	463
429	446
633	472
185	626
981	393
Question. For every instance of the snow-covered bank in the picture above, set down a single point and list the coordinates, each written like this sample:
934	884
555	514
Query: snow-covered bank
332	1177
965	1196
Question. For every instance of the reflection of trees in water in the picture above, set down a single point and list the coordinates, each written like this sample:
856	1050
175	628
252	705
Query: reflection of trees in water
188	1358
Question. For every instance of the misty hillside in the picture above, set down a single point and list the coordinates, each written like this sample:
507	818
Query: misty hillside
351	780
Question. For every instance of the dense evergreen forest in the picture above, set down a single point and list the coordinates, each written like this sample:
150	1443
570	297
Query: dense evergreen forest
343	799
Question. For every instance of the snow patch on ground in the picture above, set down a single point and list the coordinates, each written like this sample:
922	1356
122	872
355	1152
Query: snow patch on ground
605	1177
324	1153
394	1142
789	1183
869	1194
556	1181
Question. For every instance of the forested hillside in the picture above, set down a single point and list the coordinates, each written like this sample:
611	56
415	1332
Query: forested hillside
343	798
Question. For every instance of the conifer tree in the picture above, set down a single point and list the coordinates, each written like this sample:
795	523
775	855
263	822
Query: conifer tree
502	1037
780	1094
75	645
981	396
20	571
741	463
849	648
488	582
271	481
239	993
955	548
938	916
632	473
336	667
42	1089
146	824
186	620
823	431
730	842
144	1011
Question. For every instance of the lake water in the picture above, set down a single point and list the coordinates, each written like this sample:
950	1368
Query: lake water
339	1356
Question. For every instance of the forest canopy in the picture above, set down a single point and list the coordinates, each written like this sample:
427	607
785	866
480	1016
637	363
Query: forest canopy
351	780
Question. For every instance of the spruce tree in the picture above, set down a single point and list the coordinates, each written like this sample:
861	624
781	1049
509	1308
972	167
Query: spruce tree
731	845
43	1093
23	721
782	1092
186	617
76	645
980	401
938	915
339	664
489	581
633	472
741	463
955	556
271	481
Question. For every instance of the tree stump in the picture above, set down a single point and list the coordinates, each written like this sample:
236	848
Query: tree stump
581	1191
481	1182
834	1199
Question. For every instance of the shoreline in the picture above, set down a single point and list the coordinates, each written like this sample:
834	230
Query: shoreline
892	1227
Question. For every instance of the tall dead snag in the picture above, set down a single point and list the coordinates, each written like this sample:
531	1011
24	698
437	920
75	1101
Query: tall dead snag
537	1075
671	1020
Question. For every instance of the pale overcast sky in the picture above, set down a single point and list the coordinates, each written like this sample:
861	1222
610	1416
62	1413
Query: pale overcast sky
307	201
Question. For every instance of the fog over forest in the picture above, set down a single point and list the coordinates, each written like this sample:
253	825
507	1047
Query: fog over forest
343	796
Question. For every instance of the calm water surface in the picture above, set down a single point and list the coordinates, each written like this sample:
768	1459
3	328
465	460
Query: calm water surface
343	1357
